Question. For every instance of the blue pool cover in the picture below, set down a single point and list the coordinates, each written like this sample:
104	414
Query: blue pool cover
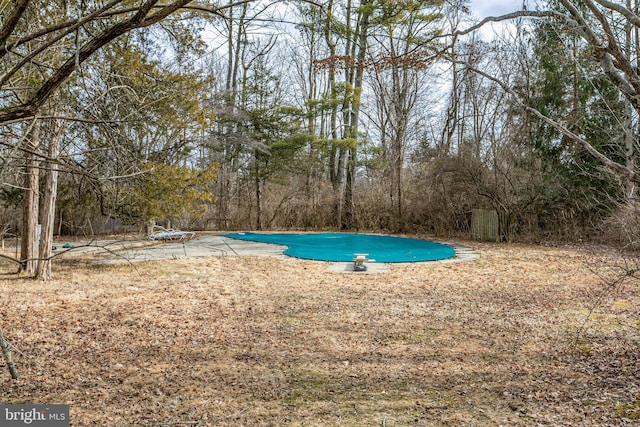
342	246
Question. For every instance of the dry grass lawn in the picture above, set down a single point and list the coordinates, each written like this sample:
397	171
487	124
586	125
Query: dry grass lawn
259	341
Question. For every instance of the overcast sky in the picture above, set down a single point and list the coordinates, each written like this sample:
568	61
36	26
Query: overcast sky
484	8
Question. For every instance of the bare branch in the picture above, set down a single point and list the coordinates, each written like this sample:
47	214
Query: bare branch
12	20
91	244
620	72
16	147
618	7
582	25
606	161
29	58
71	26
138	20
507	17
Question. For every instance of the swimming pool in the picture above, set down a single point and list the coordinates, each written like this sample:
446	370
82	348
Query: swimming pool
338	247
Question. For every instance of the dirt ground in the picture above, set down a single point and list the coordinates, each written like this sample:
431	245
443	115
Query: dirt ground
522	336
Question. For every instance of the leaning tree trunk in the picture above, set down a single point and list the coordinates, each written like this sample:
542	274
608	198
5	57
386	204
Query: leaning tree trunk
8	358
29	241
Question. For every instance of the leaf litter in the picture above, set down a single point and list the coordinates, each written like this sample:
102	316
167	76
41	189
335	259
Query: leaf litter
513	338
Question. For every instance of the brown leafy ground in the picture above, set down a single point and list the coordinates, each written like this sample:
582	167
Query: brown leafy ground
266	341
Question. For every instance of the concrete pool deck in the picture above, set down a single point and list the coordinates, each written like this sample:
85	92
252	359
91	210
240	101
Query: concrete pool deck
205	245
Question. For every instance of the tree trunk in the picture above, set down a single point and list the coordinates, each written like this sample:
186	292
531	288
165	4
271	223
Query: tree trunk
8	359
258	198
29	241
353	114
49	209
348	211
336	153
630	137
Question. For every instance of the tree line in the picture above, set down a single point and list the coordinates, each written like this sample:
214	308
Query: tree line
336	114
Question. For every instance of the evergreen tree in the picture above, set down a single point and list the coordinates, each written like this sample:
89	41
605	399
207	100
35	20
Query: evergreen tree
565	87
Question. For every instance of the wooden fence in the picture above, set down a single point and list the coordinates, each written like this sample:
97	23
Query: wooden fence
485	225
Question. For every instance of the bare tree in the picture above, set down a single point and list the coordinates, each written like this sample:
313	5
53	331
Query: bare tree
398	80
